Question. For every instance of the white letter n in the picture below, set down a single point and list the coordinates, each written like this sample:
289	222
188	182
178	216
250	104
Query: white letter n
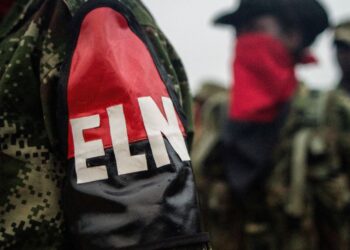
156	125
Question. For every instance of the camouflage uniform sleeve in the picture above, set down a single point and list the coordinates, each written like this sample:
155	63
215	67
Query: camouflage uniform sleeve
31	175
176	72
153	67
184	86
340	117
53	51
169	59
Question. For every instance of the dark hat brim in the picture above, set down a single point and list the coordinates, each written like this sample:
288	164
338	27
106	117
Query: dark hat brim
239	16
230	18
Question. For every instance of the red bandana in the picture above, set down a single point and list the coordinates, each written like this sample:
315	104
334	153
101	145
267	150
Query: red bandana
263	78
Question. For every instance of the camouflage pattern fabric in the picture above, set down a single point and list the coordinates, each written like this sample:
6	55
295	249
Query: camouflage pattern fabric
308	192
220	214
33	41
306	202
233	224
342	32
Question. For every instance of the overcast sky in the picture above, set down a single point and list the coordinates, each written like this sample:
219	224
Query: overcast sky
207	51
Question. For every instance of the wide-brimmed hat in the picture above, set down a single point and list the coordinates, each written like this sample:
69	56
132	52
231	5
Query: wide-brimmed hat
342	33
309	16
248	9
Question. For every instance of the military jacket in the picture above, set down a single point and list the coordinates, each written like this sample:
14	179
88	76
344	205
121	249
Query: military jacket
94	128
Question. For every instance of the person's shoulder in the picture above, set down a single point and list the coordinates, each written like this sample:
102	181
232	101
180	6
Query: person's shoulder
341	96
136	7
305	96
339	106
309	106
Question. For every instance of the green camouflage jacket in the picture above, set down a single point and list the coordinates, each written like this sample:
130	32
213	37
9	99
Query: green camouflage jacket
310	180
33	43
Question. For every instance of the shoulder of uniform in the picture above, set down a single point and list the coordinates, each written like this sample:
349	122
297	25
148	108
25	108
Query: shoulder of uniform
303	95
310	105
74	5
341	99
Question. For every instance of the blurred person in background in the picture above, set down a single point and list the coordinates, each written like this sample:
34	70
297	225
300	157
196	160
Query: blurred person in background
309	187
210	112
80	83
273	36
342	43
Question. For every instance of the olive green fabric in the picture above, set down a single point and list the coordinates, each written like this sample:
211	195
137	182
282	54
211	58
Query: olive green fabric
220	214
308	191
211	115
33	41
342	32
304	204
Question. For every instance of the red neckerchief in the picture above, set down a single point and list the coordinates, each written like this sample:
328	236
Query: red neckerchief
264	78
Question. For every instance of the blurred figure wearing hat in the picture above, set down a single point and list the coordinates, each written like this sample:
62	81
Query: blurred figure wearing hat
339	114
331	196
309	186
342	43
273	36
